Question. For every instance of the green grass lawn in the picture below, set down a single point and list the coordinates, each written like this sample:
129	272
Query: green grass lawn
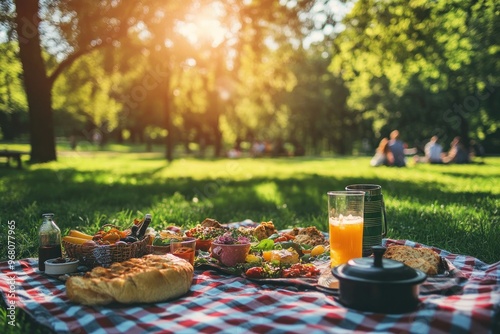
452	207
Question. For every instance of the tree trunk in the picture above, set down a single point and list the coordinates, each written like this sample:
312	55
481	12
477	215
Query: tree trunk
169	140
37	85
213	113
215	128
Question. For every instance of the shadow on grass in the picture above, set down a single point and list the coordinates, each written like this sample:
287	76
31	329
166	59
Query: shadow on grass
293	201
305	193
414	209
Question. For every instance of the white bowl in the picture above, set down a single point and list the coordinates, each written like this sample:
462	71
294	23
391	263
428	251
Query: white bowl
52	267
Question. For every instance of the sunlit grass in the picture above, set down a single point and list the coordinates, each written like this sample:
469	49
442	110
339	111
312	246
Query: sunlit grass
452	207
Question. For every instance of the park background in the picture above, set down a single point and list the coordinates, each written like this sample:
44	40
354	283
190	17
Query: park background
107	96
317	82
306	77
130	107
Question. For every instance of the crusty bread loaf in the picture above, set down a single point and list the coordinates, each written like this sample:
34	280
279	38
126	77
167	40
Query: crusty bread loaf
423	259
152	278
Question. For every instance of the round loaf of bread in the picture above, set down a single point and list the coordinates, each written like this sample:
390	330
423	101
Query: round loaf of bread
152	278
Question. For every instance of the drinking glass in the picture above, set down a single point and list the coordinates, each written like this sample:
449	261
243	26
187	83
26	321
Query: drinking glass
185	249
345	221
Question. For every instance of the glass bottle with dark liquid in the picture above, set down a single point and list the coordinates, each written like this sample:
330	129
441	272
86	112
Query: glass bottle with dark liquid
49	238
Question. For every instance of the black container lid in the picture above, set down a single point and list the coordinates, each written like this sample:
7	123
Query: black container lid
378	270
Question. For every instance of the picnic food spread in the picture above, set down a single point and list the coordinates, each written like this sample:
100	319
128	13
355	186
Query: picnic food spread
149	279
260	294
294	253
269	254
277	254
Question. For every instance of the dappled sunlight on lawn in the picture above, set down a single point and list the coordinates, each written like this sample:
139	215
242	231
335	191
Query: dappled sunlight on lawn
449	206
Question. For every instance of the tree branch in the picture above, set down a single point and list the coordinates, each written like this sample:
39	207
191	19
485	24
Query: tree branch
89	48
71	59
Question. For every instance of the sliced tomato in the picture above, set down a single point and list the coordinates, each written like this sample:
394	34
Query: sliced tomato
280	239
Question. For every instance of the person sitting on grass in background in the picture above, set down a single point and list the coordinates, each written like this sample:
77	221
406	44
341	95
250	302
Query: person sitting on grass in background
433	151
382	154
457	154
397	148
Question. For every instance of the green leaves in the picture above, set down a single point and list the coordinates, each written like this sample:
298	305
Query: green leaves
431	56
12	97
264	245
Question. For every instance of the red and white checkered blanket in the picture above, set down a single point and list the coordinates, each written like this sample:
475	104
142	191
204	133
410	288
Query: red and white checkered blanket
219	303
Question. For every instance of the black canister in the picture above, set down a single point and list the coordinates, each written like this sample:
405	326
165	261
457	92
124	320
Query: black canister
375	221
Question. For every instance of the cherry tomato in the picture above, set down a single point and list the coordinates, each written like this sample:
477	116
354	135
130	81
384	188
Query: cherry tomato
301	270
291	272
255	272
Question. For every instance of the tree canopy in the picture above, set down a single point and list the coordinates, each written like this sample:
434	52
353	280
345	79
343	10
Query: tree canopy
425	67
223	72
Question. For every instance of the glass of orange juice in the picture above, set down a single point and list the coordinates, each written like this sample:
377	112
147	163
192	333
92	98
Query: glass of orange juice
185	249
345	221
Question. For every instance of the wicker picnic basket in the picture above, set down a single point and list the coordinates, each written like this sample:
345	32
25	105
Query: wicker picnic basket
104	255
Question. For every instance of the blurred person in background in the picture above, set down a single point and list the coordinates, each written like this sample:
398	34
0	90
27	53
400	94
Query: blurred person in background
383	155
433	151
397	149
457	154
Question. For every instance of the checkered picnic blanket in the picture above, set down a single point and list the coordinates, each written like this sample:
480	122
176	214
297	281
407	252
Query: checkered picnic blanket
220	303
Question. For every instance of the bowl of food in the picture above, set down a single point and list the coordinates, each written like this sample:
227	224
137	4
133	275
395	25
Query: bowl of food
61	266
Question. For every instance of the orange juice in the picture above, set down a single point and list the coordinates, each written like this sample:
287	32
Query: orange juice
346	239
